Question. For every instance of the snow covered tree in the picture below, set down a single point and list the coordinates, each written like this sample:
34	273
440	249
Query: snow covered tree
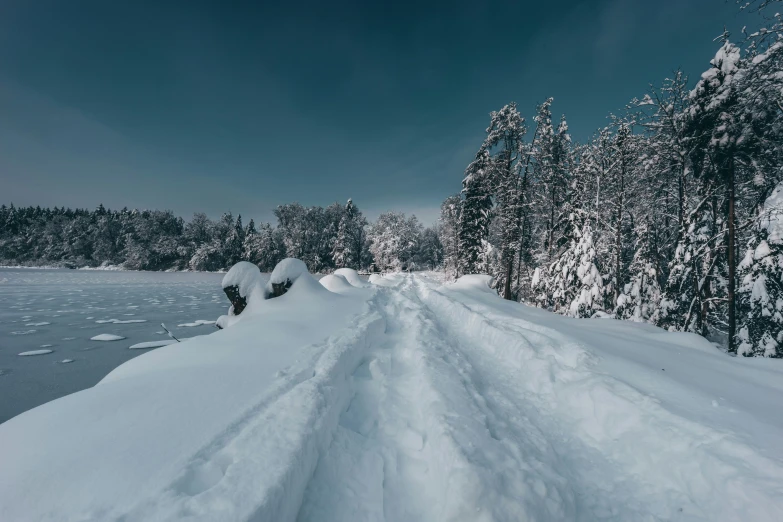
449	234
576	287
475	212
761	290
394	240
641	296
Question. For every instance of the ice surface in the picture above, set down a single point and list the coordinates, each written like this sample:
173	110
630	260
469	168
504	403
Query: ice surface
71	296
118	321
107	337
197	322
413	400
35	352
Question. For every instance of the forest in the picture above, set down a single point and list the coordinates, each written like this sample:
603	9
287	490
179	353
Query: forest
325	239
670	214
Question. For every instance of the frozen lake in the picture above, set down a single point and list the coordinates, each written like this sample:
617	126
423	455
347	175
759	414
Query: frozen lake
54	314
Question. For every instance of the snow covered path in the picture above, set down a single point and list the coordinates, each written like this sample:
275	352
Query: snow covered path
412	401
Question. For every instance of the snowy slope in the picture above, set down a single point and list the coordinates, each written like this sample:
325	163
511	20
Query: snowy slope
411	400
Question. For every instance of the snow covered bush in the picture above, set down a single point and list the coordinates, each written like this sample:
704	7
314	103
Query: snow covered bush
284	276
761	289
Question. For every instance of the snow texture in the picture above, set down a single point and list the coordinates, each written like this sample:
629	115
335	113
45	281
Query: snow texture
413	400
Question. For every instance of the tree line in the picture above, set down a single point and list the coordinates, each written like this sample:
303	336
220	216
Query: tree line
666	215
327	238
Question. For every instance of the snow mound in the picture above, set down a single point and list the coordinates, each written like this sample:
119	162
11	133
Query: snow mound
474	282
107	337
352	276
303	288
374	278
286	273
247	277
35	352
336	283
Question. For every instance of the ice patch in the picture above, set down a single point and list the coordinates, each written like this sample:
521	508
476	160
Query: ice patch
118	321
107	337
35	352
198	322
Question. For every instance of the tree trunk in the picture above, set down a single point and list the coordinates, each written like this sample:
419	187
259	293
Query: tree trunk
507	285
732	262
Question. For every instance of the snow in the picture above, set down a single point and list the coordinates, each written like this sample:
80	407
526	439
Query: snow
772	218
409	400
286	270
107	337
35	352
151	344
247	277
198	322
352	276
336	283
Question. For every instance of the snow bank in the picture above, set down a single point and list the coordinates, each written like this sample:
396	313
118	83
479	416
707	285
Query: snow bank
480	282
291	273
227	426
352	276
647	425
336	283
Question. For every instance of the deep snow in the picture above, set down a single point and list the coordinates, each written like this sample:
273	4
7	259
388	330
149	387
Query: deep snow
409	400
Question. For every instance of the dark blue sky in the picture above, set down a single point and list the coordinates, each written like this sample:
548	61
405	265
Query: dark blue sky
198	106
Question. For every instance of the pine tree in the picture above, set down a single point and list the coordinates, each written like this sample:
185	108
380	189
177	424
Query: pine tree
761	290
640	297
475	212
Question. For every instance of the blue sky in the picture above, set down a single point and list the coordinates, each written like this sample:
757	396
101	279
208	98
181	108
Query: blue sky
241	106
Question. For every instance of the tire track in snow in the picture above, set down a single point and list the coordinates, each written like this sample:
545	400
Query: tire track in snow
420	440
627	458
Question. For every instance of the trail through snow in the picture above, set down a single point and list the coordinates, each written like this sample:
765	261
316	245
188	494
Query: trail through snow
409	401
